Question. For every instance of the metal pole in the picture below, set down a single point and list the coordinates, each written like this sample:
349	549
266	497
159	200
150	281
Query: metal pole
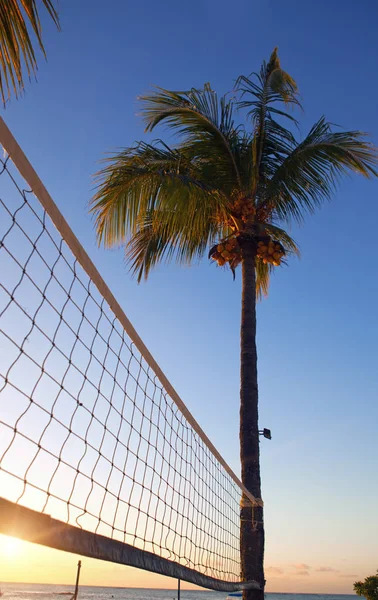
178	589
77	580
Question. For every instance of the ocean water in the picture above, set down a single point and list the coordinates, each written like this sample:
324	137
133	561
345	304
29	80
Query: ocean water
31	591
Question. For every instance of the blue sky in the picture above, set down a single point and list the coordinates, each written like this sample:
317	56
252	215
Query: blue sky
317	331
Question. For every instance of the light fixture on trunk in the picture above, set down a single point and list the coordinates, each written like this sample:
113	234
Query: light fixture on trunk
266	433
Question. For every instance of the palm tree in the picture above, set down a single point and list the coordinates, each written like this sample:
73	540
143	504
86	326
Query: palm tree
19	21
226	188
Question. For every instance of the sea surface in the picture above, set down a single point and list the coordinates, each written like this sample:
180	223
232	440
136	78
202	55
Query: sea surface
31	591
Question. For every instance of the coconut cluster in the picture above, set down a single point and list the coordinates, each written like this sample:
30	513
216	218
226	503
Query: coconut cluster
245	209
227	251
270	251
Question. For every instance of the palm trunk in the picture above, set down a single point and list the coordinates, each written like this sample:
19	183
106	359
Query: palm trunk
251	527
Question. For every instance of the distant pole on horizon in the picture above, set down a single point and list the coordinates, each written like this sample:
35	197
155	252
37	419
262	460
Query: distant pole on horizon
77	580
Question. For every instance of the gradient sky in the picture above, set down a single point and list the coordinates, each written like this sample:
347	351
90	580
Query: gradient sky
318	329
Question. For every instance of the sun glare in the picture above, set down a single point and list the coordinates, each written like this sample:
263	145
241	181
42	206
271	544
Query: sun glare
10	547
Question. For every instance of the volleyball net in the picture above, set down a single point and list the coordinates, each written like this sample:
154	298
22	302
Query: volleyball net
98	453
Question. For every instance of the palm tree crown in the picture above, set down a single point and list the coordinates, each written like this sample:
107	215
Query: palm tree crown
222	182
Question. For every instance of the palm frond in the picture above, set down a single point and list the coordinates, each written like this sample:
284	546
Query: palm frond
165	236
272	141
310	173
263	272
202	121
278	143
279	234
18	20
149	245
272	85
139	181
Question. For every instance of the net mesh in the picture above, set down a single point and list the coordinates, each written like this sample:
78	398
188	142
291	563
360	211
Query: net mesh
88	434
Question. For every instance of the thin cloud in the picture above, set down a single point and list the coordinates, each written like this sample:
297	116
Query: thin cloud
301	567
327	570
302	573
274	570
348	575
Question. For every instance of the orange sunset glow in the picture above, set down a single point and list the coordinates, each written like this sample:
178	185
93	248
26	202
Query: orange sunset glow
22	561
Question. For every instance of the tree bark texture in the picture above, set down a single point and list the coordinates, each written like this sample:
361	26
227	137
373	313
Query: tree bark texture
251	526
